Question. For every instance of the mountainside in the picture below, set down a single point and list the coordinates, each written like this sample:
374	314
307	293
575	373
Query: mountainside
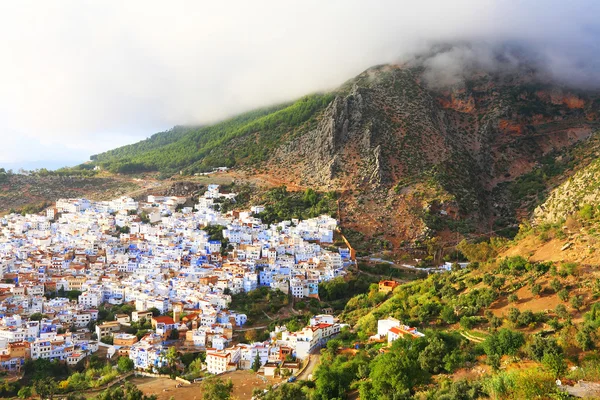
579	191
246	139
33	193
410	159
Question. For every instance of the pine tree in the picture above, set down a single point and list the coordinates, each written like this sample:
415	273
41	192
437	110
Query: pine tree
256	364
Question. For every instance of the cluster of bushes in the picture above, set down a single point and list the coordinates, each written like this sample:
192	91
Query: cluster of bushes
524	319
281	205
397	373
260	300
34	208
47	378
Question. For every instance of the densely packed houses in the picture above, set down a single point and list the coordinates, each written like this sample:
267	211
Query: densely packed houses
154	255
284	346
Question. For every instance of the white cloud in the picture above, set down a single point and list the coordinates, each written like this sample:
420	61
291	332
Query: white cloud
79	77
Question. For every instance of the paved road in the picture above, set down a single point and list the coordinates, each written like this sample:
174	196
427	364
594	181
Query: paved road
312	364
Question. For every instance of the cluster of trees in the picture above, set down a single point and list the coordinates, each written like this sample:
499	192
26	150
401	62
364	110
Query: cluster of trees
126	392
345	288
411	363
415	368
478	252
90	378
281	205
215	232
257	301
69	294
33	208
214	388
441	299
394	374
249	138
47	378
4	175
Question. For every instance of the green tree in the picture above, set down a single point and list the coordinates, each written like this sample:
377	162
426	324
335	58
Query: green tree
125	364
172	357
539	346
37	316
488	278
283	392
526	318
503	342
536	289
585	337
256	364
577	302
563	294
126	392
555	285
495	322
561	311
586	212
555	363
155	311
216	389
431	359
174	334
107	339
513	314
25	392
333	346
395	373
45	388
467	322
448	315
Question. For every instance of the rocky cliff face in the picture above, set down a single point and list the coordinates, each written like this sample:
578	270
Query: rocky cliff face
388	135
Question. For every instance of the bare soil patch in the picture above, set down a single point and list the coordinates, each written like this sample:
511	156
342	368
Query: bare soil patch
244	383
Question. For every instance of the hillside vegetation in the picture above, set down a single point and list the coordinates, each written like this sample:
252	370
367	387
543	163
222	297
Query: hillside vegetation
32	193
502	328
248	138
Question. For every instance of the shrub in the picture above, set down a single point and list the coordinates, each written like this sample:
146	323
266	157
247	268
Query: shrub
467	322
563	294
503	342
561	311
577	302
556	285
513	314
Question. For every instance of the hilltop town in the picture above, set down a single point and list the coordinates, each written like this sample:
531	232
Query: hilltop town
170	269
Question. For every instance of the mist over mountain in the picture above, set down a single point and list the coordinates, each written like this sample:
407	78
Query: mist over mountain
190	63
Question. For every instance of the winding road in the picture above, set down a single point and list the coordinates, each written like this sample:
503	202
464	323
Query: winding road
314	360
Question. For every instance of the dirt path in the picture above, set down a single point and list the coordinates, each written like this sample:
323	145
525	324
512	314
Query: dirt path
471	338
252	328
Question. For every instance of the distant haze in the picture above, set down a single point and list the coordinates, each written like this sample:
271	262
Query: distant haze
80	77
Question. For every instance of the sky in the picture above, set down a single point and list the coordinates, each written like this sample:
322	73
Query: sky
81	77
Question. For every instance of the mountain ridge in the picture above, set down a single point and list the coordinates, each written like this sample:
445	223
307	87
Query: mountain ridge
410	159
